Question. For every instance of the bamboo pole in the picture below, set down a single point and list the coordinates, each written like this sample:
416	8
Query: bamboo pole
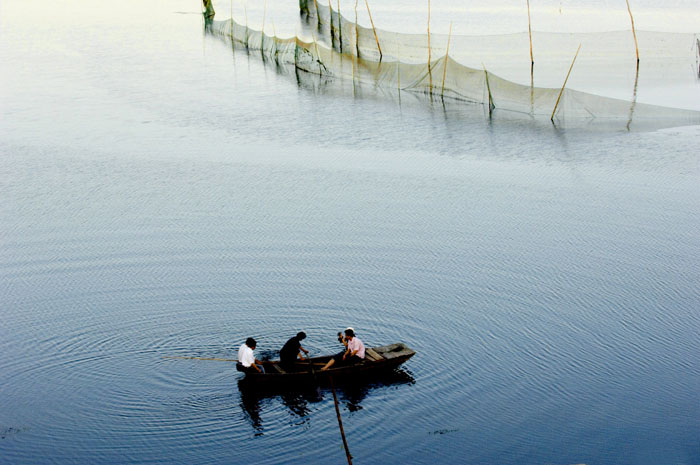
529	30
178	357
330	13
296	51
634	32
357	34
532	62
318	16
398	64
374	30
565	80
430	72
245	12
201	358
447	56
340	29
264	14
262	32
318	55
353	73
274	41
340	422
488	88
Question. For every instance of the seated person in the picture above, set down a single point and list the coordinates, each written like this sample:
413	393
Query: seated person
291	349
246	359
354	353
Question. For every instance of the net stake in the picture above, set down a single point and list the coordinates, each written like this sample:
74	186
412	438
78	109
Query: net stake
245	12
430	71
398	65
529	30
357	35
330	12
634	32
340	29
488	88
374	30
565	80
318	16
447	55
264	14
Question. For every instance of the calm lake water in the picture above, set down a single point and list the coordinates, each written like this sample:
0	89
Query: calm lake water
163	195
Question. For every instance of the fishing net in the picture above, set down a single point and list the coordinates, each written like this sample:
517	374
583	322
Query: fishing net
330	45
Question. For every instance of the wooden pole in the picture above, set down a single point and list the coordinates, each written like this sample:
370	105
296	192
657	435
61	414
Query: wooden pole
274	37
318	16
565	80
330	12
430	72
201	358
313	36
374	30
529	30
398	64
634	32
447	56
245	12
262	32
318	55
340	29
488	88
357	34
340	422
264	14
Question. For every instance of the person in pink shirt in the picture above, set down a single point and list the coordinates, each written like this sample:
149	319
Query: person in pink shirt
354	353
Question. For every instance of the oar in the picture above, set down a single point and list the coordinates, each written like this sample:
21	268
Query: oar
340	422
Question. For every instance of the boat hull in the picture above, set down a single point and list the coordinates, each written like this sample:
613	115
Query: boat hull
378	360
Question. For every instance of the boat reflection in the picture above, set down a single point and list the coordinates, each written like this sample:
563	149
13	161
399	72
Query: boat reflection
299	399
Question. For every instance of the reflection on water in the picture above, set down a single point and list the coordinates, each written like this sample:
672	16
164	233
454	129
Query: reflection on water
297	399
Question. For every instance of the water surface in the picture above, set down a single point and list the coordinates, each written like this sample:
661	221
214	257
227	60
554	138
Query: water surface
164	195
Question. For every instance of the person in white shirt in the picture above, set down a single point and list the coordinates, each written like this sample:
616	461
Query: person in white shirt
354	353
246	359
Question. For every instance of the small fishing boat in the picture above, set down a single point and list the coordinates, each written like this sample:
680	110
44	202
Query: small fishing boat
377	359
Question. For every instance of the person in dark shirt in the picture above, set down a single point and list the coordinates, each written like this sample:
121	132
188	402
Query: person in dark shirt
291	349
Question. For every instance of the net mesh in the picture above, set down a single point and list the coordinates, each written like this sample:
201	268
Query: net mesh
331	45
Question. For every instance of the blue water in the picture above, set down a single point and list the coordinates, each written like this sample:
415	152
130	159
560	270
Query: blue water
163	195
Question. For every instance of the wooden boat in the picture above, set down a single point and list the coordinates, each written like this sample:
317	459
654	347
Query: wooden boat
377	359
